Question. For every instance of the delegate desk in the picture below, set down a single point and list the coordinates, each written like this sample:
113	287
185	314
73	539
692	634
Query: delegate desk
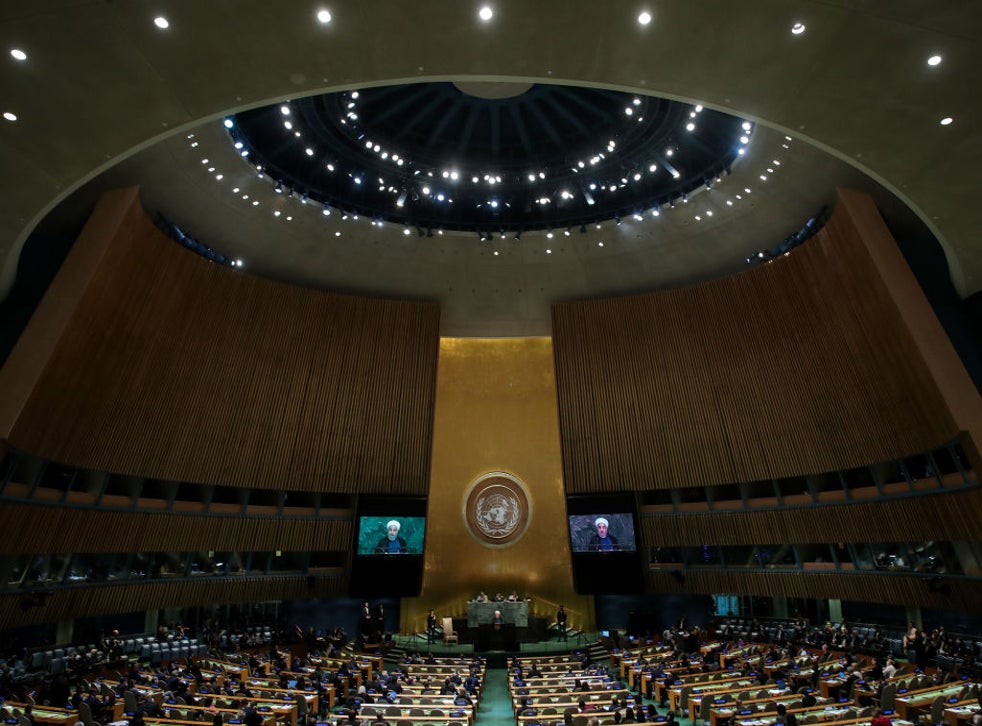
513	613
961	714
909	705
48	714
831	720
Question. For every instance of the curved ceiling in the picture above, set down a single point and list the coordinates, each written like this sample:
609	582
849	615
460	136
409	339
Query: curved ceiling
102	84
433	156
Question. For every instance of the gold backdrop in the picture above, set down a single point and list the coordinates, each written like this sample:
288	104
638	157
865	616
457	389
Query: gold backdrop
496	412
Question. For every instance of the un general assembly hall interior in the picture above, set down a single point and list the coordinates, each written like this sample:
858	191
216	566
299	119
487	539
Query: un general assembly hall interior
663	312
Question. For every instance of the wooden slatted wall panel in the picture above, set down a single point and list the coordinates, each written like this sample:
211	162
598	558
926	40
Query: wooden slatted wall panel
83	601
913	591
943	516
178	368
796	367
69	529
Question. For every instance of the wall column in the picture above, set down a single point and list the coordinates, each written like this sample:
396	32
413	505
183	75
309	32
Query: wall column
65	632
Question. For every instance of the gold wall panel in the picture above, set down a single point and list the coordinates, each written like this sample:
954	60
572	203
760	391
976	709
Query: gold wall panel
496	412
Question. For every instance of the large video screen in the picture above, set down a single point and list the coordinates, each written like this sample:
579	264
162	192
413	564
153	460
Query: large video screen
391	535
604	543
602	532
389	543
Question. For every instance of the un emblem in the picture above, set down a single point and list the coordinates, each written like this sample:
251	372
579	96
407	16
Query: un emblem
497	509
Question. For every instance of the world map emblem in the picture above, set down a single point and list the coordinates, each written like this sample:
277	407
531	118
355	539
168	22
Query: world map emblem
497	509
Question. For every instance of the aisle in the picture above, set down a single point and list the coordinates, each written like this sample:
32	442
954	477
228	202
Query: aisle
495	708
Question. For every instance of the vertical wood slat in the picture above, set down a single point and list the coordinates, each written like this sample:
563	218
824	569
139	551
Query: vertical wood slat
177	368
800	366
960	595
80	602
77	529
943	516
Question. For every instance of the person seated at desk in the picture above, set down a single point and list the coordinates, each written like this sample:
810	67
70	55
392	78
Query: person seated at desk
499	597
808	699
879	719
784	718
513	597
890	669
482	597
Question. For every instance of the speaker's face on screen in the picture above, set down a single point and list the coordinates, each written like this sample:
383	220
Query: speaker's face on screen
601	529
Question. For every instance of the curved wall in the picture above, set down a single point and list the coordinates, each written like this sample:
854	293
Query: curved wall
157	363
800	366
166	365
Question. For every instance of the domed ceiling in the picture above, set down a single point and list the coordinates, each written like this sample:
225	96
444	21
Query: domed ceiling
496	158
101	95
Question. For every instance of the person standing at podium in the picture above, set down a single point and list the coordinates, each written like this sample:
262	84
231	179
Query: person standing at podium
603	541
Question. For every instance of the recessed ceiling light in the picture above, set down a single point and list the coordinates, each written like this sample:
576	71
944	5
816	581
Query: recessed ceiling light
486	13
798	28
10	116
18	54
947	121
644	18
934	60
161	22
323	16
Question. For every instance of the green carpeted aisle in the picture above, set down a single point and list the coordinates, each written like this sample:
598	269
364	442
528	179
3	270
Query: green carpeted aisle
495	708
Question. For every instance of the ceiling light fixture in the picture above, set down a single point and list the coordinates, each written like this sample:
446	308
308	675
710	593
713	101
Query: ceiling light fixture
798	28
323	16
486	13
934	60
20	55
161	22
10	116
644	18
947	121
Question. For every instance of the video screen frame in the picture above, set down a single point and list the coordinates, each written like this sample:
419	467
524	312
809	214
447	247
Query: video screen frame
394	534
602	532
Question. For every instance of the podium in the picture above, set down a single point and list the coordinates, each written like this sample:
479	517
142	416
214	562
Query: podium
496	637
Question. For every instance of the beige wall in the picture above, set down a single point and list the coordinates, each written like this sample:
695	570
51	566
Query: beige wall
496	411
